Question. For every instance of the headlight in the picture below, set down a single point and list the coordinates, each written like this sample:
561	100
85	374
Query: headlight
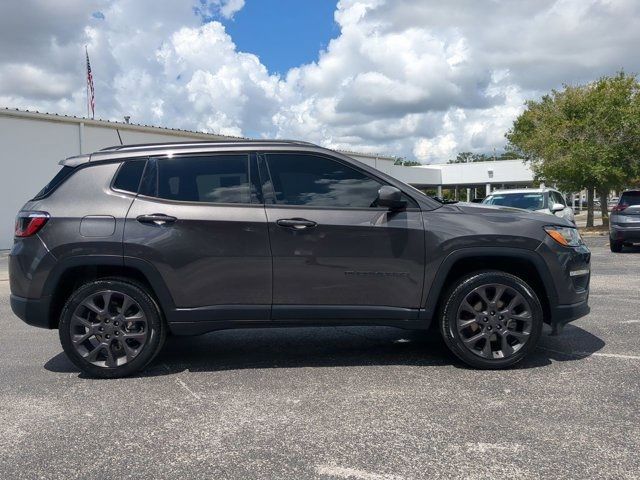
566	236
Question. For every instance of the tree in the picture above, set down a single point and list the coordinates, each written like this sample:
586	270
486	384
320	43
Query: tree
509	155
585	136
468	157
406	163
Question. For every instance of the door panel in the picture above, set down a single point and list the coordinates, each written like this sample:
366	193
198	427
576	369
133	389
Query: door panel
209	255
335	253
351	257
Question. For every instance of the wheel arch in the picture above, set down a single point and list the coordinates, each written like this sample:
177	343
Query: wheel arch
524	264
69	273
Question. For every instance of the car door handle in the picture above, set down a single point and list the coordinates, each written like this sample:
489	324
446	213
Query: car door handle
156	219
296	223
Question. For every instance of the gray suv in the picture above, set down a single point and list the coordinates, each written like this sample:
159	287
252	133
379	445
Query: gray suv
132	243
624	224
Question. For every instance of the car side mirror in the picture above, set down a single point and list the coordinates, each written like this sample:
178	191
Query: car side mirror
557	207
391	198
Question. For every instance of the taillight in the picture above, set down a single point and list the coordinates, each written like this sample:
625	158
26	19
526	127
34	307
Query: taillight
30	223
620	207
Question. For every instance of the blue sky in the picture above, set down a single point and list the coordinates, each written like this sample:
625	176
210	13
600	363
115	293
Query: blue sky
283	33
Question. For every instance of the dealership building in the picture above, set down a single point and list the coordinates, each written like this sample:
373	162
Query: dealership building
33	143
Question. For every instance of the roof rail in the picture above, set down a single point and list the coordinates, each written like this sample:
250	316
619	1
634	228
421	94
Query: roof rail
204	143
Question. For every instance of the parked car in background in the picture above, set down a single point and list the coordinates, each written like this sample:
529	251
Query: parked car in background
613	201
624	221
543	200
581	205
132	242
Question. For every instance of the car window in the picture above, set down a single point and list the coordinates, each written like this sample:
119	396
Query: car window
527	201
129	175
211	179
630	198
313	180
64	173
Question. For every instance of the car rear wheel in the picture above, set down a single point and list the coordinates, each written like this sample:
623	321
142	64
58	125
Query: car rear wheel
615	245
111	328
491	320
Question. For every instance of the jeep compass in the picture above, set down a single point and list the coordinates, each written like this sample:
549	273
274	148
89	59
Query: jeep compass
132	243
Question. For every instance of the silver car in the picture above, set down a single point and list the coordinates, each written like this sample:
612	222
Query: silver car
543	200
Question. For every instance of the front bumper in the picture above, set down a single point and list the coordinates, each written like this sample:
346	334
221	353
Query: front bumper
563	314
34	311
570	273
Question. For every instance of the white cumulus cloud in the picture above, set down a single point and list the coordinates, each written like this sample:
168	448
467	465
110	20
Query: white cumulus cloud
418	78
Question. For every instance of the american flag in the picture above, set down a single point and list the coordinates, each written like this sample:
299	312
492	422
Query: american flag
91	99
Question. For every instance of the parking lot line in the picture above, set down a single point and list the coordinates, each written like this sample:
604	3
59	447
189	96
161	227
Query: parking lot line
616	355
185	387
344	472
594	354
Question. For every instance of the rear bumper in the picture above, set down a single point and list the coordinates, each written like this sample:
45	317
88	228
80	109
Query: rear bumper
630	234
34	311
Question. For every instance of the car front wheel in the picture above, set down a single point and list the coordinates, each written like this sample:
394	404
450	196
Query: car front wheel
111	328
491	320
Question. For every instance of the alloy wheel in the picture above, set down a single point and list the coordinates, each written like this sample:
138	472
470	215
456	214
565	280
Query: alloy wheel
494	321
109	329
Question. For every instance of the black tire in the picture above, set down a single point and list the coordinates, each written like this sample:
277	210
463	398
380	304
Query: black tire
615	245
460	325
128	343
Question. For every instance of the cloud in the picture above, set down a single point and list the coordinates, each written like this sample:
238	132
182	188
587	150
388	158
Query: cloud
416	78
429	79
212	10
28	80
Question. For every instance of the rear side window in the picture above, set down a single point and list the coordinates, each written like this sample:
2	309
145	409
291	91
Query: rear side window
64	173
209	179
129	175
630	198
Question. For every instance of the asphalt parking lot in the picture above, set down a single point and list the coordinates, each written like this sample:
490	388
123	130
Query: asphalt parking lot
334	403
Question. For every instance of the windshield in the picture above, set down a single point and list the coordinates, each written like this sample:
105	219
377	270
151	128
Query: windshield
526	201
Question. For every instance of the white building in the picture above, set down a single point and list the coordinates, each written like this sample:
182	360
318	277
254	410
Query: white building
478	179
32	144
471	180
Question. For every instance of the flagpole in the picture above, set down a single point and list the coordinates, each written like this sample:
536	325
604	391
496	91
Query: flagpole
86	78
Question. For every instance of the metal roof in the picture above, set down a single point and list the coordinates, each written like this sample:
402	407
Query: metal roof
56	117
